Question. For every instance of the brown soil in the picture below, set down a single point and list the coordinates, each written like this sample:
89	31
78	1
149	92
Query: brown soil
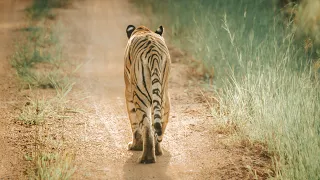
94	37
11	150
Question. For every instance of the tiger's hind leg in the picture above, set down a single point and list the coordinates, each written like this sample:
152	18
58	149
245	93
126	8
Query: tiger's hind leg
166	113
148	152
136	143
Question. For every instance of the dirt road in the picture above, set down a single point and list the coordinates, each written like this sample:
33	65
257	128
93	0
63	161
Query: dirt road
11	153
193	150
94	37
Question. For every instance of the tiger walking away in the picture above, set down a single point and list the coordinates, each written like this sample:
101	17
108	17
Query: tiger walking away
146	70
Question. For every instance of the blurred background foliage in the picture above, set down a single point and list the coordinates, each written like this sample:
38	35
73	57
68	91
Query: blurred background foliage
198	27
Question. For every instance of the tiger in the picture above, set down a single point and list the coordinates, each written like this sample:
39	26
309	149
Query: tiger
146	70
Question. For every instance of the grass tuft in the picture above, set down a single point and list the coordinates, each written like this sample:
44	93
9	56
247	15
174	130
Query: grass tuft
38	63
37	59
37	110
53	166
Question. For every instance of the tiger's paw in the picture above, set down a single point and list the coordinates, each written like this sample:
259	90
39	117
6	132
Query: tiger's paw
134	146
146	160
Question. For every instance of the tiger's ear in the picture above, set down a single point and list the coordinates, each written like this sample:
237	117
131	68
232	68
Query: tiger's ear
159	30
129	30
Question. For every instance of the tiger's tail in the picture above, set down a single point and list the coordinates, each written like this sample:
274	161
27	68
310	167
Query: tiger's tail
156	88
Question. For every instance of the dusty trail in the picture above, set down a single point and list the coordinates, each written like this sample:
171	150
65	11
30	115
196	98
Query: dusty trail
96	37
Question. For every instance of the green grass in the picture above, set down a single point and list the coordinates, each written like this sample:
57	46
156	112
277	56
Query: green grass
37	110
38	63
37	58
48	156
54	166
42	8
49	159
198	27
277	103
264	78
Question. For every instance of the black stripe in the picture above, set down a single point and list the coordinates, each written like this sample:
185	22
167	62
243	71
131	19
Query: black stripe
127	69
136	95
139	42
137	49
158	128
155	72
157	116
155	81
156	101
164	71
157	108
149	59
143	94
138	62
141	121
154	60
138	52
145	84
129	57
139	109
150	49
157	92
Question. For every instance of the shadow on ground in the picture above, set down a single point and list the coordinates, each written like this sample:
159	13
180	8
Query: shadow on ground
133	170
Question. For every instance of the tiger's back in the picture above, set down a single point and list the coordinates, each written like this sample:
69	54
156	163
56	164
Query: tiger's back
147	66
